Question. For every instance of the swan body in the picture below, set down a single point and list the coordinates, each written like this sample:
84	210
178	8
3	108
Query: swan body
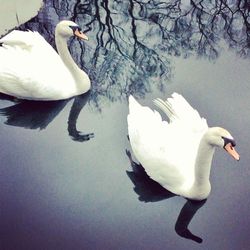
177	154
31	69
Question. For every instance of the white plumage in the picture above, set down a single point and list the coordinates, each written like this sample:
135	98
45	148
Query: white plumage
31	69
169	150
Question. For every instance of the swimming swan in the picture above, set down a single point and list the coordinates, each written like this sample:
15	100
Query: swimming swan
31	69
177	154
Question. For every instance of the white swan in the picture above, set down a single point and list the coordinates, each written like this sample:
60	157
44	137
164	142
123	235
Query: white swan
31	69
177	154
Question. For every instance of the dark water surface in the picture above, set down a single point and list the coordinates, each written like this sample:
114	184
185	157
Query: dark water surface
67	181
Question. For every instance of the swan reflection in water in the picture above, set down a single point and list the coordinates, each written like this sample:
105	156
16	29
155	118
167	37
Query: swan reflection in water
39	114
150	191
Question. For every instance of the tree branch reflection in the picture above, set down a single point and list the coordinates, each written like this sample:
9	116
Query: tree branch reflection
131	42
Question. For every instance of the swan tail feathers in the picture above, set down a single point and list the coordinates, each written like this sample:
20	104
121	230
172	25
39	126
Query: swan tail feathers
134	110
140	113
141	121
133	105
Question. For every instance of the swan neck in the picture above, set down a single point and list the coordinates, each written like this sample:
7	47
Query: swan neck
63	51
203	162
81	79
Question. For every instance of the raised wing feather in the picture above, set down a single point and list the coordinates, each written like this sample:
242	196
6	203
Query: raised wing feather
167	150
29	66
180	111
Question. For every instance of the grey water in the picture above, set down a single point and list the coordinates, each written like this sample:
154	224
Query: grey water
68	177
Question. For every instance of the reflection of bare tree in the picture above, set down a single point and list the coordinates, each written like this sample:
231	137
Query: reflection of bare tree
131	41
199	25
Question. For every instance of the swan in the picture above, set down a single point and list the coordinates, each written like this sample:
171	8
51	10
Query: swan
31	69
176	154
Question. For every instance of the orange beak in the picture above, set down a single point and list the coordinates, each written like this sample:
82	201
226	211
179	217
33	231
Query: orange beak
231	150
80	35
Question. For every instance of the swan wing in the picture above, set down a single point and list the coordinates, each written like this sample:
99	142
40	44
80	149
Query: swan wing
180	112
30	68
167	150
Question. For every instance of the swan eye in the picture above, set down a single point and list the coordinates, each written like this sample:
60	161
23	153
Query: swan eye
74	28
227	140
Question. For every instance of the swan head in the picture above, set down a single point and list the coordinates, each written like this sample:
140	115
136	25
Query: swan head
67	29
220	137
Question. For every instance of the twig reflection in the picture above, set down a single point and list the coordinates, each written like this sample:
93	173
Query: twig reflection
131	42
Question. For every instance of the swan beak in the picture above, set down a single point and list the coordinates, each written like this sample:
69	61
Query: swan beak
80	35
231	150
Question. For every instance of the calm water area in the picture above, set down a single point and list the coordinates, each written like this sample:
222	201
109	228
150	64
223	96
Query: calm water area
66	180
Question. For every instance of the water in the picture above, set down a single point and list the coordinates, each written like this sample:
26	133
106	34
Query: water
66	178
